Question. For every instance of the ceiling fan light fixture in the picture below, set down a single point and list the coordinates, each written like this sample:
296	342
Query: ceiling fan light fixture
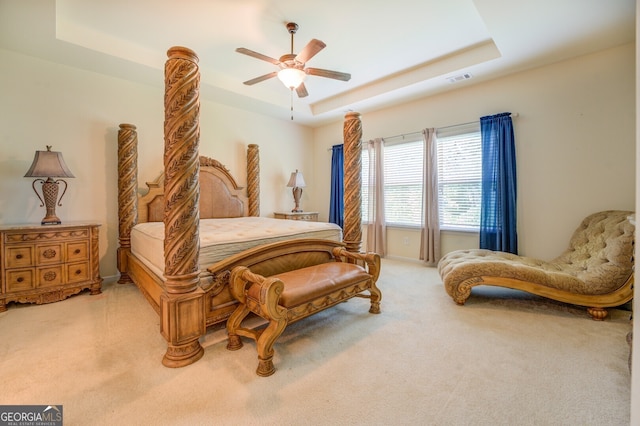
291	77
292	70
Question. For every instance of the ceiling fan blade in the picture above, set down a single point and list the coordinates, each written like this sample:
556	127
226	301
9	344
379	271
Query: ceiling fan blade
302	91
328	74
310	50
261	78
257	55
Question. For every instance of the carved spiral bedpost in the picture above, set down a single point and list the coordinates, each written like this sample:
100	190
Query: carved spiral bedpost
182	304
352	133
253	179
127	194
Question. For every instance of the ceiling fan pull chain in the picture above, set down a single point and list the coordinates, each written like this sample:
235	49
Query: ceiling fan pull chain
292	103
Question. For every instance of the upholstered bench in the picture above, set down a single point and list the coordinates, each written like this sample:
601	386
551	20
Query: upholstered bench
289	296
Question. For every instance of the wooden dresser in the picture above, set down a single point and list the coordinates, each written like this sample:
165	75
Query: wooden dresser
43	264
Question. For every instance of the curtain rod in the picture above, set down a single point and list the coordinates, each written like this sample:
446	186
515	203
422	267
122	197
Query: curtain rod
404	135
513	115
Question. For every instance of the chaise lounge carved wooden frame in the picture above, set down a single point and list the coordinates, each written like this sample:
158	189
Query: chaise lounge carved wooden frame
596	270
187	305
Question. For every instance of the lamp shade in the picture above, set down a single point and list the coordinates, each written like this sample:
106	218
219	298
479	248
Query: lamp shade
291	77
296	180
48	164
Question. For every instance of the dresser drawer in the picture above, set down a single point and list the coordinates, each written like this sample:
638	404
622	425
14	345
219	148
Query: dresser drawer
78	251
307	216
77	272
312	217
48	254
50	276
19	257
20	279
49	235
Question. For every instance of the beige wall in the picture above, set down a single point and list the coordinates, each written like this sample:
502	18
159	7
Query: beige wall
575	144
78	112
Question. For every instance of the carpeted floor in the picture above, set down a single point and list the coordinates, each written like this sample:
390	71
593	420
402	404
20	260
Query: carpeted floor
505	358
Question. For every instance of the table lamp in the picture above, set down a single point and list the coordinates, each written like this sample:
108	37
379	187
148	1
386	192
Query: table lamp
49	164
296	181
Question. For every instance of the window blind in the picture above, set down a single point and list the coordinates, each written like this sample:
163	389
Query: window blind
459	176
402	183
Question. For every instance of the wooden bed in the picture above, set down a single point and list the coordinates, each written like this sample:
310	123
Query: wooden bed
192	188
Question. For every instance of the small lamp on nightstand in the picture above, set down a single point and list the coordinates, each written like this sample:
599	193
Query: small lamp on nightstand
49	164
296	181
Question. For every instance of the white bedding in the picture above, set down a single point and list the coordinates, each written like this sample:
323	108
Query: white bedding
221	238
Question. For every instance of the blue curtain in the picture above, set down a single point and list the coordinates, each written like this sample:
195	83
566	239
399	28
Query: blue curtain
336	205
498	229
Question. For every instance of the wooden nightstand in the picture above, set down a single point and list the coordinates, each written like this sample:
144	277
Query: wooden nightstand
43	264
308	216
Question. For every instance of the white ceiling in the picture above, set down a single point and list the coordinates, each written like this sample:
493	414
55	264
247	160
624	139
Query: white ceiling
394	50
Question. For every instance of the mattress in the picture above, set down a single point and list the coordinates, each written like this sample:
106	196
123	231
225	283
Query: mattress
221	238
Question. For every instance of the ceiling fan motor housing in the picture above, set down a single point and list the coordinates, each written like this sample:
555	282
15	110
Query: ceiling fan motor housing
292	27
288	61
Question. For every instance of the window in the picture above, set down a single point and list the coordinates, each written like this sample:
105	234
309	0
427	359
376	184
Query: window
459	176
459	179
402	183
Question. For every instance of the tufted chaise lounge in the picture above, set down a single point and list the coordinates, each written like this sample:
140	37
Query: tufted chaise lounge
596	270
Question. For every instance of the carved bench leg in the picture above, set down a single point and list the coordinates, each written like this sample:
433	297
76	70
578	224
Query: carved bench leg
234	342
265	346
233	323
376	297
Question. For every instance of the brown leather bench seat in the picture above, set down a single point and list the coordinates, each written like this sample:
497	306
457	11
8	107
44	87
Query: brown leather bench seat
289	296
307	284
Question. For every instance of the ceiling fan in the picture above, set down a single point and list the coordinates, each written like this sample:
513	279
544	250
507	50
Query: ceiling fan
292	67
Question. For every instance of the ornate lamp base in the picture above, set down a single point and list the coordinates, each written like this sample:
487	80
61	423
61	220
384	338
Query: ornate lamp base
51	220
50	195
297	193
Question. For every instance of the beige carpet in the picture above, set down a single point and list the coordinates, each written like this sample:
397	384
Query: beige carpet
505	358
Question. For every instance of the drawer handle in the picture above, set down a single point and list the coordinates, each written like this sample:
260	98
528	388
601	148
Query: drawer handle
18	256
76	251
78	271
20	279
50	276
50	253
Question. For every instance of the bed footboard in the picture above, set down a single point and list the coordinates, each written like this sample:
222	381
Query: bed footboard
267	260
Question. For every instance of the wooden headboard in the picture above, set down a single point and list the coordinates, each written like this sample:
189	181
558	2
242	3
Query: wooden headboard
220	195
